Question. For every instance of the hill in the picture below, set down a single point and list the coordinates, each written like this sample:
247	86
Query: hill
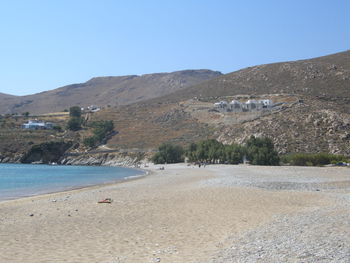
311	111
103	91
314	116
324	76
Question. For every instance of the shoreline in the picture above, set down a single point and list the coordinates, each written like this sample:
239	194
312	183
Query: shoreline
146	172
78	188
182	213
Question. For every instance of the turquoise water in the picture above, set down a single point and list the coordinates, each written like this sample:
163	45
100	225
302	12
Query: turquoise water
20	180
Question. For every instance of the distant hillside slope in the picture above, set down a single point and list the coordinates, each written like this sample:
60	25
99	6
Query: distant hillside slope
103	91
314	117
6	96
323	76
7	101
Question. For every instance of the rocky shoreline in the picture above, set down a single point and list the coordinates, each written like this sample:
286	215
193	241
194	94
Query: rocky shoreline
93	159
104	159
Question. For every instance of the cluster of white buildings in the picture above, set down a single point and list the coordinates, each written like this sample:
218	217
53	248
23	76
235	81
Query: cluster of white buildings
250	105
91	108
37	125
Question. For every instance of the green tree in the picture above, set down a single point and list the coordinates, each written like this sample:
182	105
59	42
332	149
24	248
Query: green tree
75	111
260	151
234	153
210	151
75	120
168	153
191	152
74	123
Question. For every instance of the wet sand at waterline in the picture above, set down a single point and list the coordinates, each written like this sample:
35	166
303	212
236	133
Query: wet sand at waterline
180	214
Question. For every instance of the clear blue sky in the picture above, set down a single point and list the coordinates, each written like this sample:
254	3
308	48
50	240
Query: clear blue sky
50	43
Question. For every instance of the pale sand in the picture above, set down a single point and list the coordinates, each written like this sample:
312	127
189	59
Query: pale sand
181	214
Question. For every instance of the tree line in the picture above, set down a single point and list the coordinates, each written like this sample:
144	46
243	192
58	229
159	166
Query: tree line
258	151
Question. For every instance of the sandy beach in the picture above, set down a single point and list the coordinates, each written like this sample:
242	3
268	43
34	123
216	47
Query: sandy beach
188	214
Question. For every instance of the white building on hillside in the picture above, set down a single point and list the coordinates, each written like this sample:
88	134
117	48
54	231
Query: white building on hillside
253	105
249	105
236	106
93	108
37	125
221	105
266	104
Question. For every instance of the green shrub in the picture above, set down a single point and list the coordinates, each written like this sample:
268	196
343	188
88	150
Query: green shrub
57	128
313	159
90	141
101	129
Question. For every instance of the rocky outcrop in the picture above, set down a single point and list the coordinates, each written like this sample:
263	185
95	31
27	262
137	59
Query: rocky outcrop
46	152
11	158
106	159
95	159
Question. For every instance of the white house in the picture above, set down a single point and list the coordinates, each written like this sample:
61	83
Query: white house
236	106
250	105
37	125
222	105
253	105
93	108
266	104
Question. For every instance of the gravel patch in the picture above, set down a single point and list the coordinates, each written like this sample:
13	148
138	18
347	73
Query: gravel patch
282	178
316	236
320	234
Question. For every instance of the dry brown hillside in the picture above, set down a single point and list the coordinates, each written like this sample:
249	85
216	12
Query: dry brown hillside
301	124
312	112
323	76
314	117
103	91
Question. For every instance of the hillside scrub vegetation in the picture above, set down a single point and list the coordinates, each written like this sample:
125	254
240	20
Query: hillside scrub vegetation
101	129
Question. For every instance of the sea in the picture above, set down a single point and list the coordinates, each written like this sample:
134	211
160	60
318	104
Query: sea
22	180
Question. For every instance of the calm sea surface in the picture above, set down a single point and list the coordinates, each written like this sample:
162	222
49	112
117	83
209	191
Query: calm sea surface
19	180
